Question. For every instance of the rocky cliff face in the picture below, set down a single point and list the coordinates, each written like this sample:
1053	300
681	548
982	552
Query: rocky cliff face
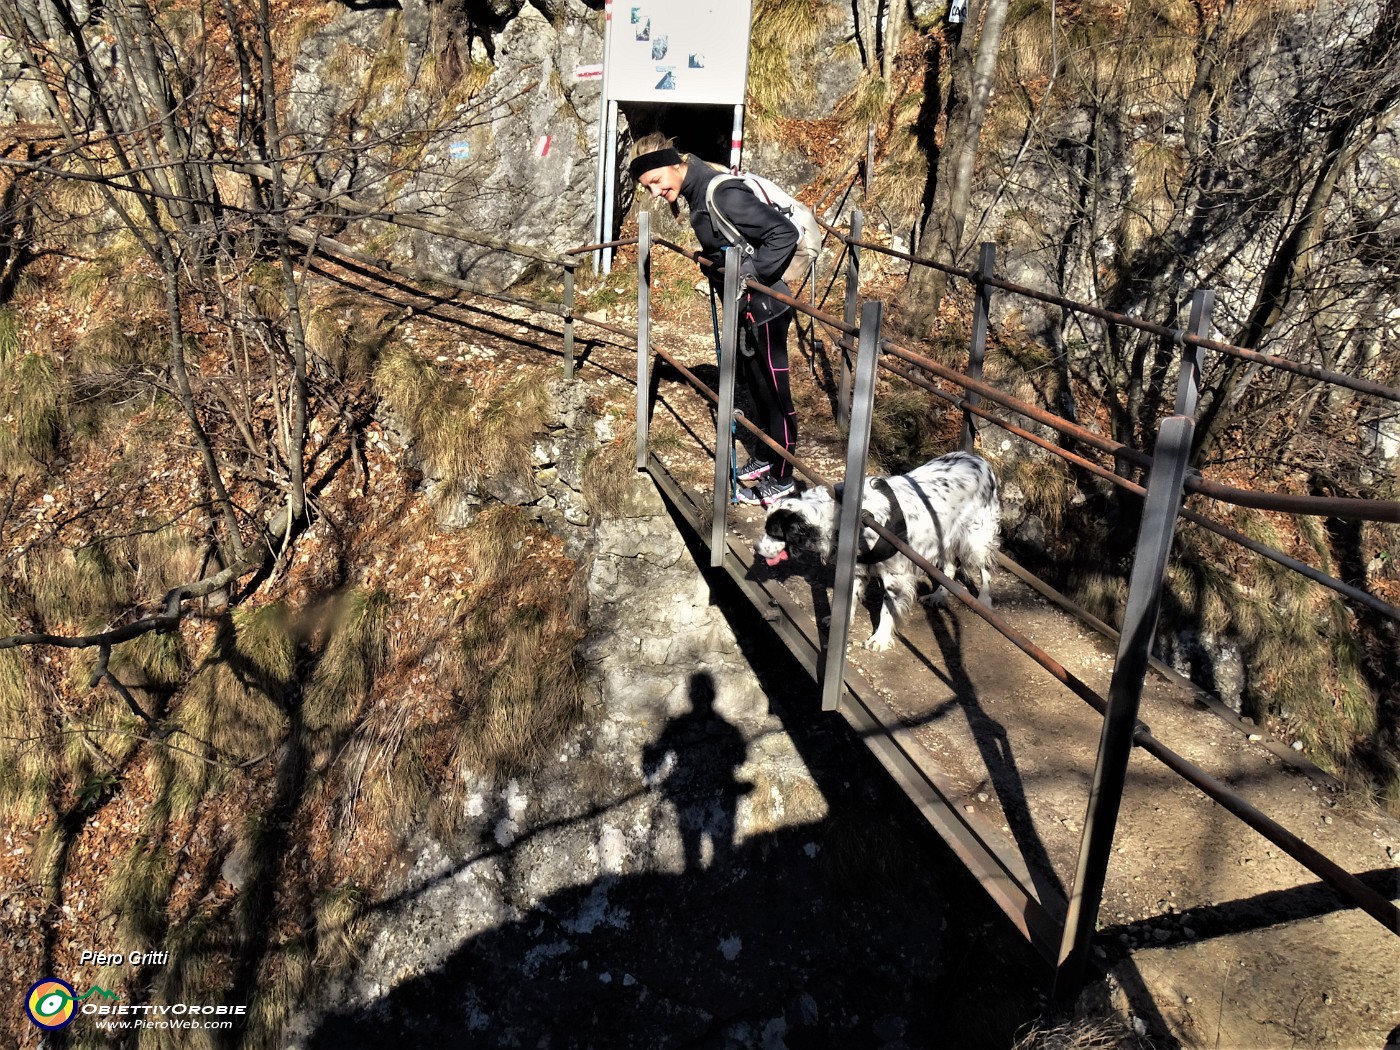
518	158
514	155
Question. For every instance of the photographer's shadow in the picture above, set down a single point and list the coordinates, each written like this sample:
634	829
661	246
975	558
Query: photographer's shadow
694	762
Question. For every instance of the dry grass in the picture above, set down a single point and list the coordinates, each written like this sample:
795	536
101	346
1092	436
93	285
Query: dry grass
907	428
155	659
194	973
32	402
1087	1034
340	927
461	435
231	710
162	560
348	334
136	892
121	342
610	471
11	339
357	651
858	852
1098	592
280	990
1158	173
388	74
1046	484
436	412
29	765
782	51
901	176
74	587
517	680
1306	658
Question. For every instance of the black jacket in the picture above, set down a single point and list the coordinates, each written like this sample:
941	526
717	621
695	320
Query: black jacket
772	236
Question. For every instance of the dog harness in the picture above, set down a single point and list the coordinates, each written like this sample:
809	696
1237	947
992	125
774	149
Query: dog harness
883	548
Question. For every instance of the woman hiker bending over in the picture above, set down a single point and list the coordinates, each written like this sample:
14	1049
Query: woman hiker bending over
668	174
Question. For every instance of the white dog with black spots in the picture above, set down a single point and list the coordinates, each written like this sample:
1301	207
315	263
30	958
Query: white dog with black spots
946	510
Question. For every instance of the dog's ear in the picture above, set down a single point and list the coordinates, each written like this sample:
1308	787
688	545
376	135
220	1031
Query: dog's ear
777	522
840	490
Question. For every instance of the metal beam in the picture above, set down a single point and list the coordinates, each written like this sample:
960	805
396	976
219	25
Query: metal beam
1158	526
848	531
724	417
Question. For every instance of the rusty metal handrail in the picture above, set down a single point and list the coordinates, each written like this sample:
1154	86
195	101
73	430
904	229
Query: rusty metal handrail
710	268
1327	506
1302	568
1342	379
1344	882
585	248
1114	448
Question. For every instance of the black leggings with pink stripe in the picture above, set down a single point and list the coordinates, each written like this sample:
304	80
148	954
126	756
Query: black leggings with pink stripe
766	373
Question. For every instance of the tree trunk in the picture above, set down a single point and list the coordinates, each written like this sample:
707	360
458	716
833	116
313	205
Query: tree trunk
942	233
1370	98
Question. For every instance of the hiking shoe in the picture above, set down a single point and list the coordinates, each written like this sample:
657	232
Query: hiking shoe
754	469
768	491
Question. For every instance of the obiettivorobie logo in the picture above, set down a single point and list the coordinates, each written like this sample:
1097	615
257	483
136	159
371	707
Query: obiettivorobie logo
52	1004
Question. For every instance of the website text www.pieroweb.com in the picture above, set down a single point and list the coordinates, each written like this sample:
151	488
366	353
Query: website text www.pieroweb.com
52	1003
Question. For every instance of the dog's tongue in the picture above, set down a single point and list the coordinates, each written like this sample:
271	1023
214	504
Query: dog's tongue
780	556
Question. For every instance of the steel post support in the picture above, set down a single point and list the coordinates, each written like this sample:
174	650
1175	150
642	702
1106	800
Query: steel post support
606	151
1158	526
1188	386
736	139
843	386
981	312
848	531
570	267
609	185
724	419
643	334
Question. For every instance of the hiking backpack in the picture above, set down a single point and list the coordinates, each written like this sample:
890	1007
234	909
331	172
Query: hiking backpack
809	234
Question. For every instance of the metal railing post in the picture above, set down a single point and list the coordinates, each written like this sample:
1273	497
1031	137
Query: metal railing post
609	182
643	334
848	532
724	419
1188	386
570	267
1161	508
981	312
843	386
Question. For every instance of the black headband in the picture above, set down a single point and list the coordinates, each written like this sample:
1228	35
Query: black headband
656	159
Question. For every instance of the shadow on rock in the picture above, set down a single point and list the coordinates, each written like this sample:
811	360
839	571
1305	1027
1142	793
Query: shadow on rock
768	949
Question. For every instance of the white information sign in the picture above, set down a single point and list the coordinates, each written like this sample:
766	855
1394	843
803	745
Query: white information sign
682	51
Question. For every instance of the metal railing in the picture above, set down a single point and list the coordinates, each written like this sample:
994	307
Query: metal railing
1169	480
